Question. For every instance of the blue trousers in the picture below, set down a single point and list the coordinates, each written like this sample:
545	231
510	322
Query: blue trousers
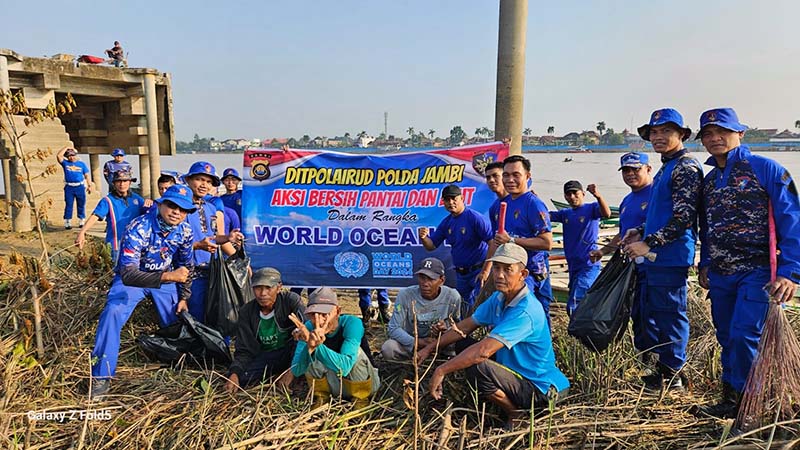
739	306
664	303
119	306
543	292
197	302
580	281
465	285
644	328
75	194
365	297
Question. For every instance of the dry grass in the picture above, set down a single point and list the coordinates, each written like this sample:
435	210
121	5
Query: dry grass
156	407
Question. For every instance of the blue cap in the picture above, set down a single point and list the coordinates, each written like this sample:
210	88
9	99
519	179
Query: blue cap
231	172
633	159
118	152
722	117
180	195
175	175
662	116
203	168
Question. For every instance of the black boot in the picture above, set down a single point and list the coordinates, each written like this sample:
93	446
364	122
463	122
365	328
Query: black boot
384	313
665	374
728	406
366	315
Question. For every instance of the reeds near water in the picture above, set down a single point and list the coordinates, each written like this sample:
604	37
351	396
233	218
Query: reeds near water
185	407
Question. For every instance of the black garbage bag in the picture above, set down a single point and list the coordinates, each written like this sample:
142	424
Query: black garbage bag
602	316
228	290
186	338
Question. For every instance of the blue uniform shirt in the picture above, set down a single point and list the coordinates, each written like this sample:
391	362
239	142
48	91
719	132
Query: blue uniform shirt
112	166
523	330
735	224
203	225
467	234
74	172
633	209
671	226
119	212
234	202
526	216
147	248
581	227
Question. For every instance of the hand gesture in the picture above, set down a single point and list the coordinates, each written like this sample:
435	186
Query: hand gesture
438	328
179	275
435	385
423	232
595	255
592	188
148	202
80	239
235	237
207	244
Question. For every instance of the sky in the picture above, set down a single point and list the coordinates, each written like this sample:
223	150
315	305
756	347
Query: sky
258	69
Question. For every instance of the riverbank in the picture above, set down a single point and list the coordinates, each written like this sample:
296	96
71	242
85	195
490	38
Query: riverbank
155	407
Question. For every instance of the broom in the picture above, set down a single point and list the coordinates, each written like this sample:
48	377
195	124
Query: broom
488	286
772	390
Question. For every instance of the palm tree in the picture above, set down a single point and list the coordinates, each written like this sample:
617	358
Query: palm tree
551	129
362	134
601	126
479	131
797	124
431	133
410	131
527	132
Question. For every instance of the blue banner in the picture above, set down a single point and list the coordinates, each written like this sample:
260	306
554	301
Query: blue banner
345	220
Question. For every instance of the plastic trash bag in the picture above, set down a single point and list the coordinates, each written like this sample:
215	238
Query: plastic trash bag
228	290
602	316
186	338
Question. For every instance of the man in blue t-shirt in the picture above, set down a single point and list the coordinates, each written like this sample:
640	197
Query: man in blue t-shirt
118	208
76	184
467	233
232	198
514	366
527	225
637	174
581	226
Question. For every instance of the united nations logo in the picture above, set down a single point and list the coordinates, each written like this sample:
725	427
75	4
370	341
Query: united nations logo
259	166
351	264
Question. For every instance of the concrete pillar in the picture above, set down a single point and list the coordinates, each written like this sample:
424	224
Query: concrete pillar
97	171
15	192
5	85
144	176
153	152
511	72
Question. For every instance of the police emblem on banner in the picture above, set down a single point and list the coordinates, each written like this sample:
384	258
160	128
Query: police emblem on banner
351	264
259	166
480	161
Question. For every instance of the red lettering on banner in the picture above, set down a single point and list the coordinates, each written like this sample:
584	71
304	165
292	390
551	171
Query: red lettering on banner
326	198
288	197
382	199
423	198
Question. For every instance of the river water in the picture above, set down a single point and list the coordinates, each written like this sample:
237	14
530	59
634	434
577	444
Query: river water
549	170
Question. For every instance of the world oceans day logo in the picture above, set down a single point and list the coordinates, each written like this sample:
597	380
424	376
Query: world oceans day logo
351	264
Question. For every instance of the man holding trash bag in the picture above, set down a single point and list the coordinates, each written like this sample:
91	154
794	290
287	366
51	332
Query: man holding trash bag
735	256
155	261
669	232
264	344
637	174
514	366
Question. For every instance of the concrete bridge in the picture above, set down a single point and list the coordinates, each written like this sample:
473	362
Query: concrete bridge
129	108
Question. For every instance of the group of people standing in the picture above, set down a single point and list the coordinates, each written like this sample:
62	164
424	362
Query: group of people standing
164	254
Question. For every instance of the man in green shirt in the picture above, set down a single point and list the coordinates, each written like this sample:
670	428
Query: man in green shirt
332	352
264	344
